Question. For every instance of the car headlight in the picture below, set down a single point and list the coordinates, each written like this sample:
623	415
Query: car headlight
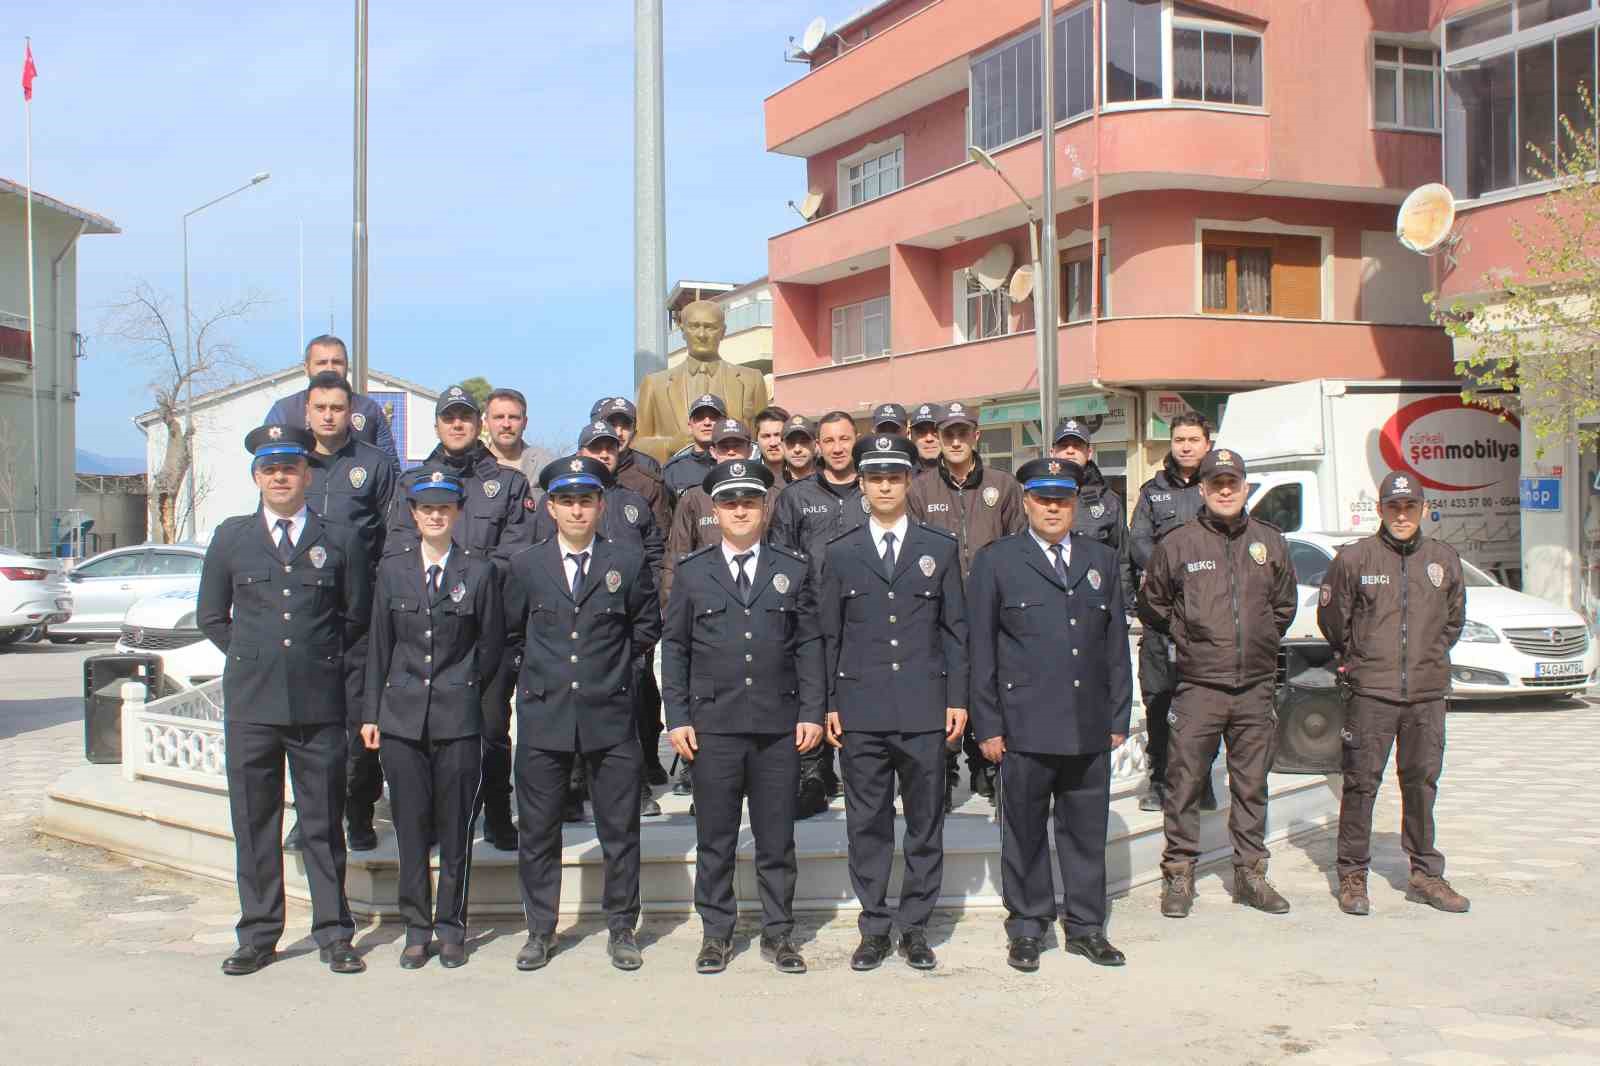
187	622
1478	633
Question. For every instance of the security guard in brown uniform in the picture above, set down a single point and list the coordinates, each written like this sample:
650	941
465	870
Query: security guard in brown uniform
1392	606
1223	589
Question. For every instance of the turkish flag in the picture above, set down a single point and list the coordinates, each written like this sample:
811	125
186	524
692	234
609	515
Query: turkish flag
29	72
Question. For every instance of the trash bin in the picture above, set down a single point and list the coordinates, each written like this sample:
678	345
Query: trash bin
103	678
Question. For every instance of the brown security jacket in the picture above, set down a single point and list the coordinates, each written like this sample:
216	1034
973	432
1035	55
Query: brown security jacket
1224	592
1392	610
694	525
642	474
984	507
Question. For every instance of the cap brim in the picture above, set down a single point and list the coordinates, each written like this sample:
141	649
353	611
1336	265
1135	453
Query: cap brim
883	464
745	486
435	495
574	485
451	405
957	420
1055	489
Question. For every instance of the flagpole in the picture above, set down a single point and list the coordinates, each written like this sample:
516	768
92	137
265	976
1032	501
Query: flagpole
33	346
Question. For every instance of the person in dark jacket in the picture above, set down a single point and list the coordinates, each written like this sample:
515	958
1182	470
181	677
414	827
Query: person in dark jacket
694	523
438	631
799	449
1050	703
924	433
1392	606
285	596
581	609
1166	502
889	418
1222	589
327	354
894	630
1099	514
744	699
689	466
768	427
635	470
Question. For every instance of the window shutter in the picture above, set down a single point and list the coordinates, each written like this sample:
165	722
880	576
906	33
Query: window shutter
1297	277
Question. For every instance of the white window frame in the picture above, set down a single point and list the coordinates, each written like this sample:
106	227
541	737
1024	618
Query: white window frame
1400	66
1170	20
961	319
1189	22
1077	10
876	149
868	309
1264	225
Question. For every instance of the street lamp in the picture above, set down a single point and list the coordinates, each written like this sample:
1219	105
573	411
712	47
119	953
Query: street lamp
188	344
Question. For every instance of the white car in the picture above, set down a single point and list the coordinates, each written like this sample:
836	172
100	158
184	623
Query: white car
104	587
1512	644
33	594
164	625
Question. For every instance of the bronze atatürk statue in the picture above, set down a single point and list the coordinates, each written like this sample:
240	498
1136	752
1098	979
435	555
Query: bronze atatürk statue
664	396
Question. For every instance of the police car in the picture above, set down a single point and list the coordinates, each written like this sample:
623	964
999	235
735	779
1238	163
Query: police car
1512	644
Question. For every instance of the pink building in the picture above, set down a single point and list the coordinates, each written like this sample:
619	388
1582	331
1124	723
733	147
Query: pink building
1249	156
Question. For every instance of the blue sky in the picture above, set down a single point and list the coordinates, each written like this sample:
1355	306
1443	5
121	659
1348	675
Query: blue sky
500	175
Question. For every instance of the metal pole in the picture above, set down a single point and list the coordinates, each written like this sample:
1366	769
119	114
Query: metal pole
1045	284
188	381
649	194
358	257
1094	210
33	346
302	274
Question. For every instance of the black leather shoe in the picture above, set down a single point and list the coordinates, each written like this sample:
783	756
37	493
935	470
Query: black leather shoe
1023	954
871	952
982	781
1097	949
654	772
294	841
683	785
359	834
914	946
714	955
1155	797
341	957
536	952
648	807
452	955
813	798
624	950
572	808
781	952
501	836
414	957
247	960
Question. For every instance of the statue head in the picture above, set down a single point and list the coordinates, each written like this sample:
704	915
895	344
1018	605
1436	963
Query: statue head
703	326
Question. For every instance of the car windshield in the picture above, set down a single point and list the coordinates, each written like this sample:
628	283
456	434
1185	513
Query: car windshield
1474	578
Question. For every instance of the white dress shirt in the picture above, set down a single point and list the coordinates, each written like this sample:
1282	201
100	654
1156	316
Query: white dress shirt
297	524
898	529
754	551
570	566
1046	547
442	563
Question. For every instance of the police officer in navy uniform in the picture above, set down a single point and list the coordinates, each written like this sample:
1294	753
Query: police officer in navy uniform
689	466
742	676
285	596
438	630
583	609
496	522
895	636
1052	694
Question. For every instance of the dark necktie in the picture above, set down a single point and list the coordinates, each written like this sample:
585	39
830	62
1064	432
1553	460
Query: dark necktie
743	582
578	559
285	545
433	580
888	556
1060	561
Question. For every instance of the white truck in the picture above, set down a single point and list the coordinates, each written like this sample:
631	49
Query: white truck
1316	450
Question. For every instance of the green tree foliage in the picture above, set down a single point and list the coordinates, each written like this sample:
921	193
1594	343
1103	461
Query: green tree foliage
479	389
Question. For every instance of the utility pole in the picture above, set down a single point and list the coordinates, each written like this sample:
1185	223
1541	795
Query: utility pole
358	251
649	195
1045	286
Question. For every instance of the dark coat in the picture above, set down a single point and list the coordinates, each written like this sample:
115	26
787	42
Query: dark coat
1165	502
574	685
896	650
367	422
355	487
628	519
642	474
684	471
1100	516
729	667
496	520
1050	666
430	655
287	629
984	507
811	512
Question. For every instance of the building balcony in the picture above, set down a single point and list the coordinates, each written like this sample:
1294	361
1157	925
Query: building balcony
16	352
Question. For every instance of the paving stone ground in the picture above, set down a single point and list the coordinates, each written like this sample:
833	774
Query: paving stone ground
108	960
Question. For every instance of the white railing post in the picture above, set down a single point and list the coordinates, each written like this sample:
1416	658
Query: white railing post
133	697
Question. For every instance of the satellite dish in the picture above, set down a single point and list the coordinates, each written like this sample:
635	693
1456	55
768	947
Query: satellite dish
993	269
808	206
1021	287
1425	218
813	35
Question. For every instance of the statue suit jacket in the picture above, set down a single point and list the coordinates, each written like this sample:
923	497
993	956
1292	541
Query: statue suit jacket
665	395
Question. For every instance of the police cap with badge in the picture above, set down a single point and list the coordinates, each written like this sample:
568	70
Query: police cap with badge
272	444
597	430
1220	461
608	406
709	401
574	475
1057	479
927	414
799	425
957	413
884	454
1070	428
890	415
737	478
434	484
454	396
1399	486
730	429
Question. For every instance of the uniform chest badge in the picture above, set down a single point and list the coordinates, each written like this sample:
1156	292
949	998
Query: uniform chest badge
631	513
359	421
318	555
459	591
866	508
1258	553
781	583
613	580
491	489
1326	596
926	565
358	476
1097	510
991	496
1435	574
1094	579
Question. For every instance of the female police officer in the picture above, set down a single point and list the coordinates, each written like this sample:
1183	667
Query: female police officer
436	639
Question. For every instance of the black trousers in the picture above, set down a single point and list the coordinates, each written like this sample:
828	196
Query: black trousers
1204	716
433	794
647	704
1374	726
729	767
363	773
497	740
255	755
1157	732
542	777
1080	786
872	762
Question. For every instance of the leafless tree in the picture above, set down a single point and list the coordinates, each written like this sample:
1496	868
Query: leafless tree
145	320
